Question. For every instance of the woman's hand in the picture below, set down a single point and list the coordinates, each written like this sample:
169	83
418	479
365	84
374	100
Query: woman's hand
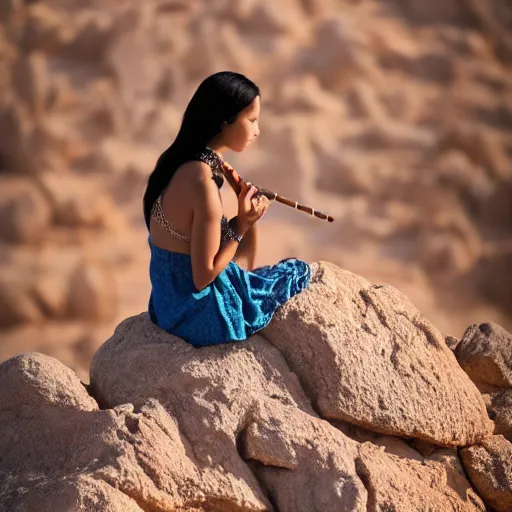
251	206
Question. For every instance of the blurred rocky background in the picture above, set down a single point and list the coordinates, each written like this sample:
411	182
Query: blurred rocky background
393	116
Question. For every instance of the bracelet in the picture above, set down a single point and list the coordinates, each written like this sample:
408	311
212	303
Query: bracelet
228	233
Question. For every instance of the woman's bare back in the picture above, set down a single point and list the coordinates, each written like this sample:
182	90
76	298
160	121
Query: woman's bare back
177	201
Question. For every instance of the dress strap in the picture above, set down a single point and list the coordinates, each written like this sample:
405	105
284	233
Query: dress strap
157	213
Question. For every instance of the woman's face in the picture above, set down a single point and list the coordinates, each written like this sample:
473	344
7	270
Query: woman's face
238	136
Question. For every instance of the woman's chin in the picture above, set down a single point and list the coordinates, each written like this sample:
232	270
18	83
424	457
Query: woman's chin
239	149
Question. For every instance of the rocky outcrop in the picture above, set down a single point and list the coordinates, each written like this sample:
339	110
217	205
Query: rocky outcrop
255	425
253	401
69	455
247	425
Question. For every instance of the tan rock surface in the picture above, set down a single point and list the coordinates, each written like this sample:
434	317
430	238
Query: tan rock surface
489	466
303	462
367	356
74	494
35	381
485	354
426	485
58	450
46	30
16	307
500	411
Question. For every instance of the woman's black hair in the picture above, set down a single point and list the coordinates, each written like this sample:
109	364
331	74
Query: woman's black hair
219	98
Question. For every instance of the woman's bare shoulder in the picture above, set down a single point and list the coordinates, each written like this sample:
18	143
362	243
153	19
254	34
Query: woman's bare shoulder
196	173
190	187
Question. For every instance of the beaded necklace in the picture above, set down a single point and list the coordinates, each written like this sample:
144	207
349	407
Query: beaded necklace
214	160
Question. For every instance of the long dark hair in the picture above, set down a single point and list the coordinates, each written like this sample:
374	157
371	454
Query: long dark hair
219	98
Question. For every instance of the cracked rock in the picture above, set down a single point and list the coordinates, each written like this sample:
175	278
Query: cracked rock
367	356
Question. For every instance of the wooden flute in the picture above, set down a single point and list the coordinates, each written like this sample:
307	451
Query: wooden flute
235	181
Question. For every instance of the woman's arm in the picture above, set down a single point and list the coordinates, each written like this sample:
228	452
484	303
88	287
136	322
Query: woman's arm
208	261
245	255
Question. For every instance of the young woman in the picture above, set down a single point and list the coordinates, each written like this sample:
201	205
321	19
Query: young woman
198	292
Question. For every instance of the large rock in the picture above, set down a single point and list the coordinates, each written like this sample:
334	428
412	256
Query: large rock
366	355
226	427
485	354
215	396
403	482
59	453
489	466
32	382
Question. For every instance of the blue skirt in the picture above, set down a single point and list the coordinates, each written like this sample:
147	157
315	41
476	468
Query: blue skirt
234	306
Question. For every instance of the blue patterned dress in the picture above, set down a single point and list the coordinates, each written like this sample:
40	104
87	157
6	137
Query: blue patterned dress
235	305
